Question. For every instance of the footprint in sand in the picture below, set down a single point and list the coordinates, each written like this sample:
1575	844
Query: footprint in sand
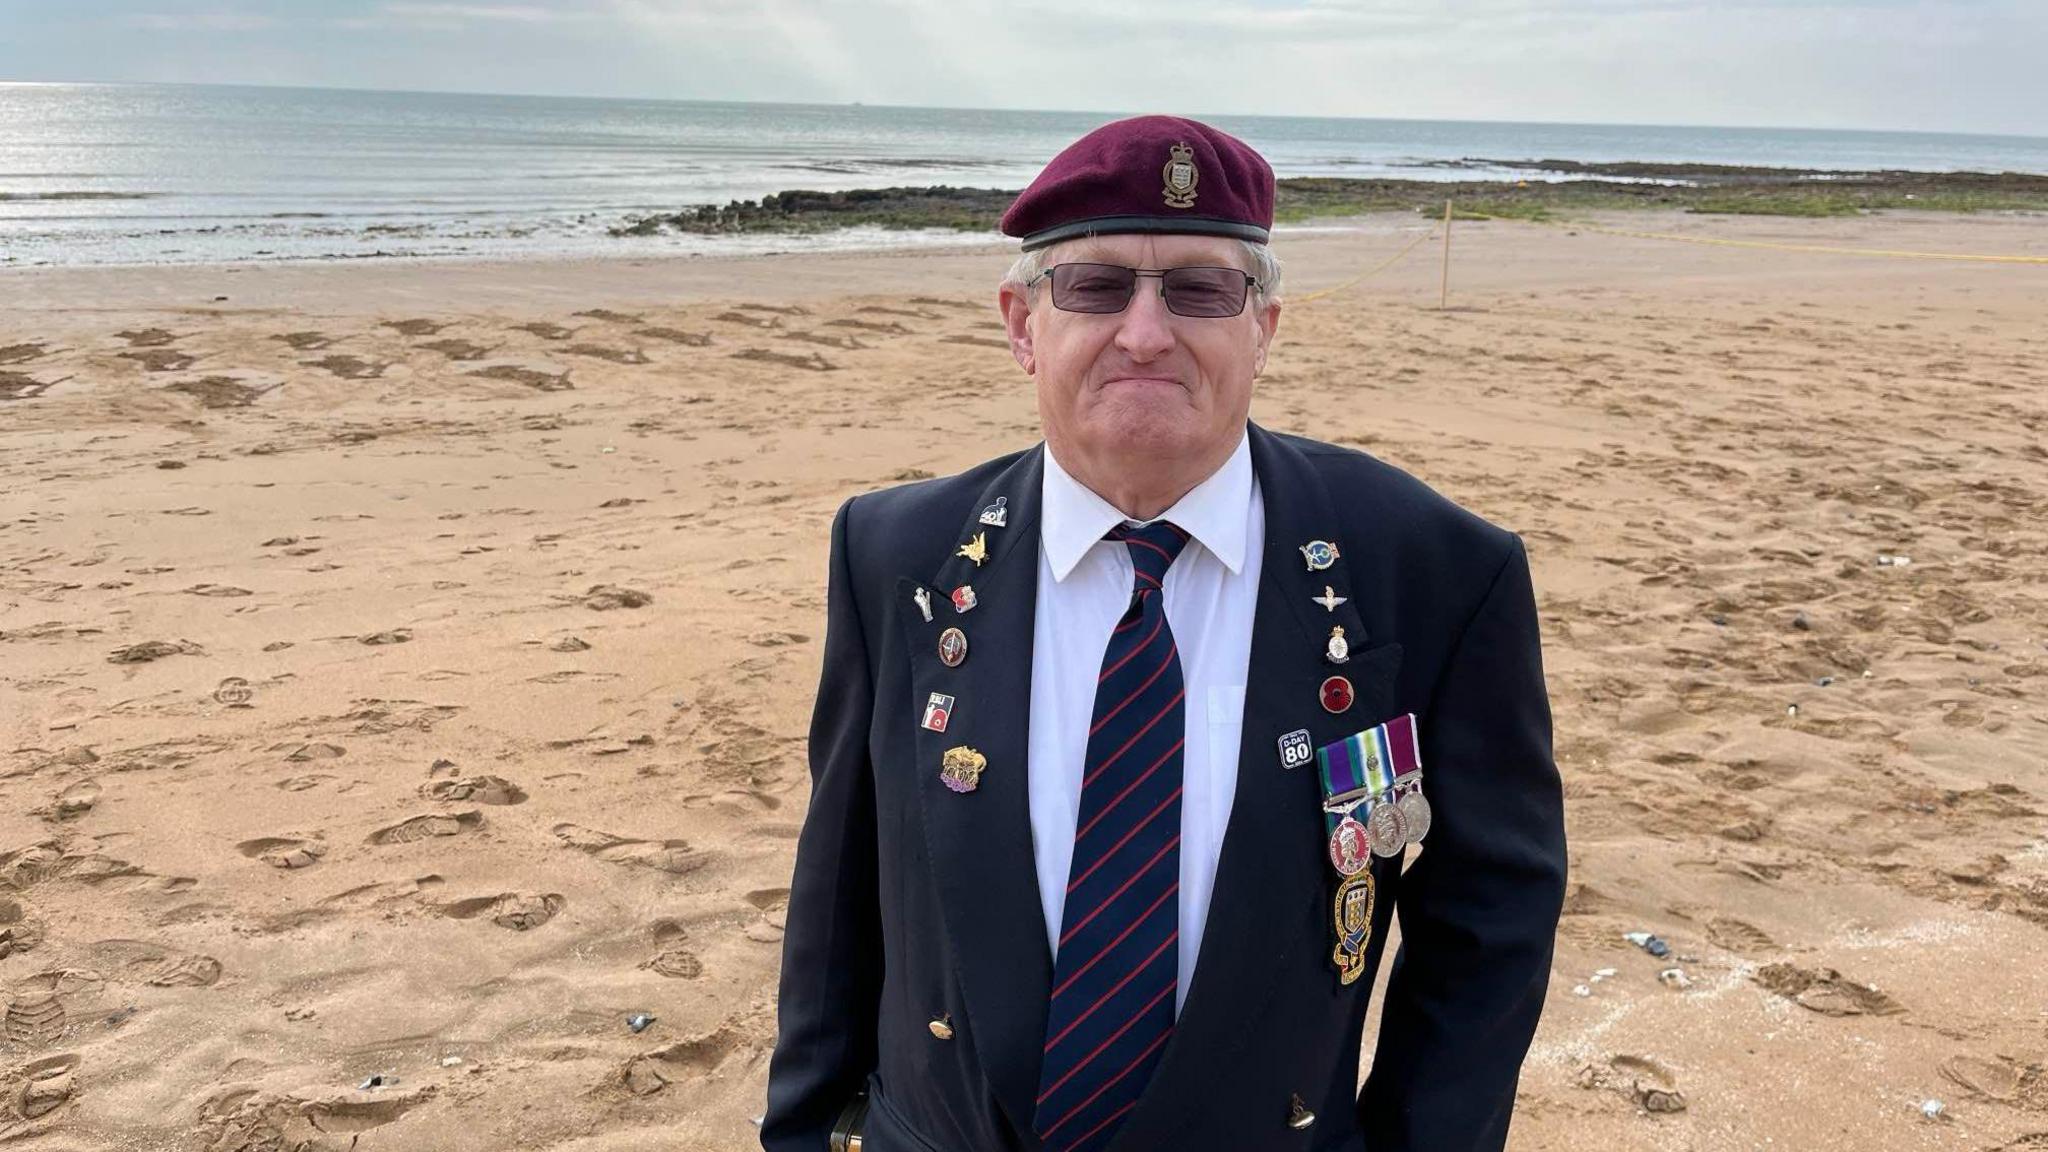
1999	1079
775	309
606	352
977	341
243	1119
518	911
814	362
544	330
146	337
304	341
428	827
530	377
675	857
140	962
1826	991
475	790
1649	1085
349	367
843	343
891	327
21	386
687	1060
45	1086
303	752
414	327
22	353
918	313
76	800
34	1019
284	851
749	321
609	316
676	336
1739	937
675	960
457	349
161	359
150	650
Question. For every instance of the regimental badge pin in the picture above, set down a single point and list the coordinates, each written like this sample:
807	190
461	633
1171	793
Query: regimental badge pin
1339	650
1329	599
1320	554
1181	176
1336	694
924	603
961	769
997	514
1351	917
964	598
952	647
1295	750
937	711
975	549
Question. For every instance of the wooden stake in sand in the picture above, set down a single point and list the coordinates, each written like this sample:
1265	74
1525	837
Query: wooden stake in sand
1443	300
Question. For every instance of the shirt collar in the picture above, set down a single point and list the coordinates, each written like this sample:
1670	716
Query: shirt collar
1072	518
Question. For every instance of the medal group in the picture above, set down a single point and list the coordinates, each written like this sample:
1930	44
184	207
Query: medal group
1373	804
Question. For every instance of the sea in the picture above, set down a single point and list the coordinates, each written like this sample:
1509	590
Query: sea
159	174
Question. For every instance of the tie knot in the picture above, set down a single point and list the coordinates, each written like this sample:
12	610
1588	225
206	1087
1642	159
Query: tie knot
1152	548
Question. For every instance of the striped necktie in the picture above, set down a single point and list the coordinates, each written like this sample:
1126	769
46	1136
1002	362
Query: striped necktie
1112	1003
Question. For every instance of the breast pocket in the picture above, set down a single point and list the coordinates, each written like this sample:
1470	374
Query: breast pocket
1226	736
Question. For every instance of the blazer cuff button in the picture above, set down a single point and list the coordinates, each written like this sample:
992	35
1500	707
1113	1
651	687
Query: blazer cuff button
1298	1115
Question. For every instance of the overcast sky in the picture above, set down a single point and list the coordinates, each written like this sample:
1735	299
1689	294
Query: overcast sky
1936	65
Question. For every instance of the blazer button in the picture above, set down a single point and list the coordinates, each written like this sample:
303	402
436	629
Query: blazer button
1298	1115
942	1027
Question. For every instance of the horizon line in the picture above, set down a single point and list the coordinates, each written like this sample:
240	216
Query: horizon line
5	83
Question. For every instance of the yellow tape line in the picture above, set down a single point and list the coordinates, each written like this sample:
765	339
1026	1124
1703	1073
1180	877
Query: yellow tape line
1382	266
1981	258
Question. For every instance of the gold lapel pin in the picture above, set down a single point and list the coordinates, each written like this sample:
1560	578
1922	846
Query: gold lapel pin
975	549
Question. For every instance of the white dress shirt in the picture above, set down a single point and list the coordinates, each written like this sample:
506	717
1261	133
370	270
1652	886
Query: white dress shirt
1084	587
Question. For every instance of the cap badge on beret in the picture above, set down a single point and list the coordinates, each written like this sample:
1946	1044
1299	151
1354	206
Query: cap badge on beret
1181	177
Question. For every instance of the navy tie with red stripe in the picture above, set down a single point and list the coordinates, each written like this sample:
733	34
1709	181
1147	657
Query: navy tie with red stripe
1113	982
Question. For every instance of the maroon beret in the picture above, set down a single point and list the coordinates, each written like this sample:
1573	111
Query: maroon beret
1147	174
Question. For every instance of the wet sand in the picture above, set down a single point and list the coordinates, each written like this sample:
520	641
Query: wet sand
404	668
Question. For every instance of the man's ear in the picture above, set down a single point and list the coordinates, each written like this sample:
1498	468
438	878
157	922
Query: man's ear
1269	323
1014	303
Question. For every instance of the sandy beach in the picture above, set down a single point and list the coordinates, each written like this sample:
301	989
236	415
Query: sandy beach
405	667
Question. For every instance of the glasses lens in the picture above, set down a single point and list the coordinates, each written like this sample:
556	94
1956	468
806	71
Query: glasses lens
1092	287
1207	292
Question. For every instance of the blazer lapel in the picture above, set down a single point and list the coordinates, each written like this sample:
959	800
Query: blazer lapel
1273	853
978	843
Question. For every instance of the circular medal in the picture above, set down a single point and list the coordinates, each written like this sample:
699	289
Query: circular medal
1389	829
1350	847
1336	694
952	647
1415	811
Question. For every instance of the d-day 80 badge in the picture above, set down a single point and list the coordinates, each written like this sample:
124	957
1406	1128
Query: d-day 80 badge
1295	749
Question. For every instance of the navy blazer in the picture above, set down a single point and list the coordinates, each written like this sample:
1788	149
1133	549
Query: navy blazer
911	902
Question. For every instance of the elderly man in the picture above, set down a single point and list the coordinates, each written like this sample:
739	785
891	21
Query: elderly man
1123	740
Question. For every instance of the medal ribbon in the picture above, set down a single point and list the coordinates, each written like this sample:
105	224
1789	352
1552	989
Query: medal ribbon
1364	766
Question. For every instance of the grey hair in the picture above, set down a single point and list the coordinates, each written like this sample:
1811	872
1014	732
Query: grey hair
1265	266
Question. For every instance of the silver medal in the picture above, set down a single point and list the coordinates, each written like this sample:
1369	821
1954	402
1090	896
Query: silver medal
1389	829
1415	812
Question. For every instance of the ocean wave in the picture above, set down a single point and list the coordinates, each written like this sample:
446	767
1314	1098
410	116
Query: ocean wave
22	196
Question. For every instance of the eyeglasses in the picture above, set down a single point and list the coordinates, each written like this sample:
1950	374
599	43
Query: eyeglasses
1208	293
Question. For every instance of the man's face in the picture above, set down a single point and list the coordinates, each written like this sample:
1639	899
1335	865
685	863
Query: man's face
1144	381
